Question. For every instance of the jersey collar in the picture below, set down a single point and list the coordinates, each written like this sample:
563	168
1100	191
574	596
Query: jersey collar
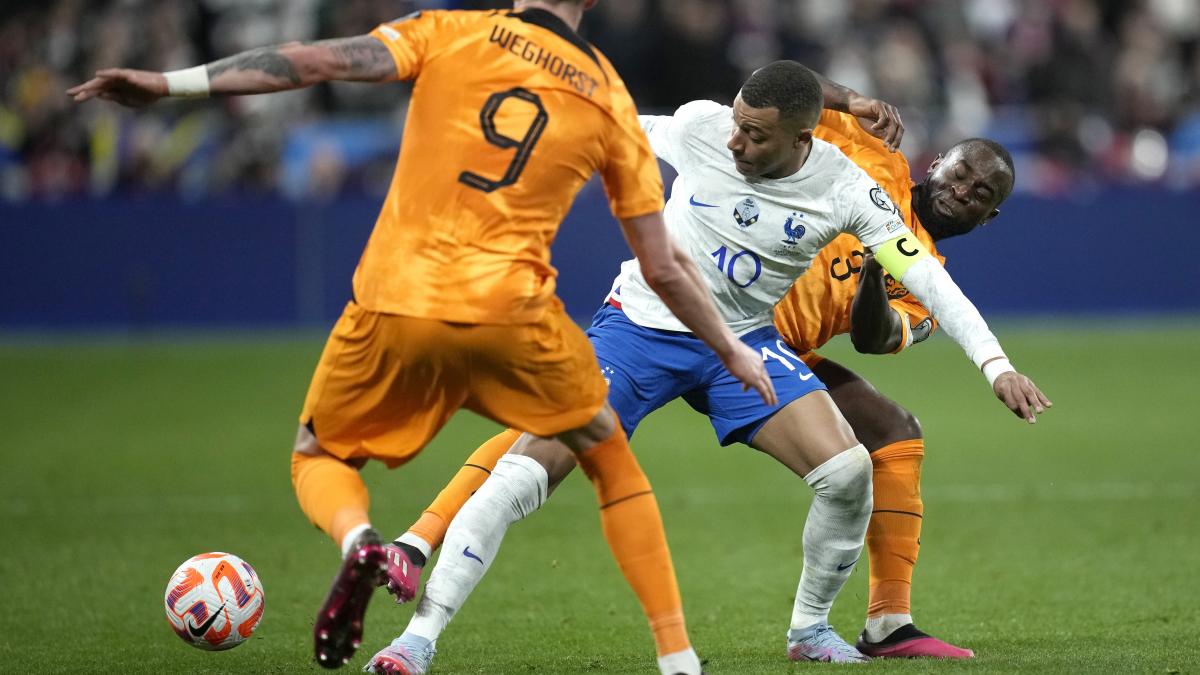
548	20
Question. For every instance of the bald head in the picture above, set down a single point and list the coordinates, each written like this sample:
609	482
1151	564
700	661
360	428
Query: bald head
987	152
964	188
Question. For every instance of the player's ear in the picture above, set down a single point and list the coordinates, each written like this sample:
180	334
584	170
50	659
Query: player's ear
804	137
993	214
934	164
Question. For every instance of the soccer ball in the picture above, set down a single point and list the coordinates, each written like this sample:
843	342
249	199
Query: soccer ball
214	601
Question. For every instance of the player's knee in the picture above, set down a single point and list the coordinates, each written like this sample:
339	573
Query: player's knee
902	426
894	424
554	458
847	477
601	427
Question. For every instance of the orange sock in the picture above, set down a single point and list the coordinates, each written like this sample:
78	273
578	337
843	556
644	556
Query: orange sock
894	533
432	524
634	530
331	494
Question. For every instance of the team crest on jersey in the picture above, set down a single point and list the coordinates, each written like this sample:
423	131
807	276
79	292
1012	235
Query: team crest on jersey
746	212
894	289
793	229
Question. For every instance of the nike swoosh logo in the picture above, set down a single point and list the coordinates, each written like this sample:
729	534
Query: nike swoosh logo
467	552
806	378
842	568
199	632
693	202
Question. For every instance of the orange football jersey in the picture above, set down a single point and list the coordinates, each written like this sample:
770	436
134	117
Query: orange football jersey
511	113
818	305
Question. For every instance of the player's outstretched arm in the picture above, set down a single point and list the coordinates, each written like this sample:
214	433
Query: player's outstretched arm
879	118
257	71
674	278
874	326
907	260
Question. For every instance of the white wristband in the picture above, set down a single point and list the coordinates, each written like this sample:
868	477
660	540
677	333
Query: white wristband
995	368
188	83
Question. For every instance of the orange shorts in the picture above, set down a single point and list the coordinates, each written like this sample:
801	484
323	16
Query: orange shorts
386	384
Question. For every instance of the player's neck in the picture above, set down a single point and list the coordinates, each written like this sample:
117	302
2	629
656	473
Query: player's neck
793	167
570	12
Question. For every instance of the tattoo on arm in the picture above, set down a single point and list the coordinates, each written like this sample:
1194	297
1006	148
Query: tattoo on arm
264	59
362	58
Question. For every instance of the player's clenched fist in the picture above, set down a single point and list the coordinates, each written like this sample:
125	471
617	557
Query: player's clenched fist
133	88
1021	396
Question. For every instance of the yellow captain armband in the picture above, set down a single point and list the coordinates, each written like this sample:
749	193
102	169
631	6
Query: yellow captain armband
899	254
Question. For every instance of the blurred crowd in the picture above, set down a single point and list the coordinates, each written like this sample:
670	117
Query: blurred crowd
1083	92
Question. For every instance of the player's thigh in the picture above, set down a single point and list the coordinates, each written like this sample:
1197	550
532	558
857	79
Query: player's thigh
540	377
737	415
876	419
384	385
645	368
805	433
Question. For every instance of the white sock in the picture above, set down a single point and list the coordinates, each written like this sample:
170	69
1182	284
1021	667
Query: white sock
833	533
418	543
879	627
516	488
680	663
351	537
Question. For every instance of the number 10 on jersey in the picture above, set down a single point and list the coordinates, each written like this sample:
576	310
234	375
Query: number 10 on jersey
743	268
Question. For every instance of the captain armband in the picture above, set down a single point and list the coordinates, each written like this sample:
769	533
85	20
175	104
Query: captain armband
899	254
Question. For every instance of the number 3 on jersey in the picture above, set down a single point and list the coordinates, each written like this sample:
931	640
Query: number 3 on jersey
524	146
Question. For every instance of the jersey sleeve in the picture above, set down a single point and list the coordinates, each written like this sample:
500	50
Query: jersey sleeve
658	129
870	213
668	134
409	39
631	178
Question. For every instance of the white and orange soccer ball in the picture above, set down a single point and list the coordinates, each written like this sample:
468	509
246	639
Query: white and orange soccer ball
214	601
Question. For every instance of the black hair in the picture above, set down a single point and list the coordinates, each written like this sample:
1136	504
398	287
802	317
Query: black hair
789	87
995	149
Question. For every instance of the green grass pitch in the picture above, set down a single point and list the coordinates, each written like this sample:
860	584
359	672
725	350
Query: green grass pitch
1070	546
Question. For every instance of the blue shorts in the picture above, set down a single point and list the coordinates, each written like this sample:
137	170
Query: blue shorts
647	368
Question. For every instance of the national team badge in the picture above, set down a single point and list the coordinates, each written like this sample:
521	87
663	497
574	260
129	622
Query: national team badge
746	212
793	229
894	289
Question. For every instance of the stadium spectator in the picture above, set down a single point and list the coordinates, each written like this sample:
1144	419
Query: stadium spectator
1080	90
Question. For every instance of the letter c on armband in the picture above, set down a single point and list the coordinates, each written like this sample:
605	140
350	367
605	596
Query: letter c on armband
899	254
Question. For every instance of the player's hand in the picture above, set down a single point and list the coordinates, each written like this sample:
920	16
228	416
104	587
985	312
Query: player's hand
133	88
1021	396
747	365
880	119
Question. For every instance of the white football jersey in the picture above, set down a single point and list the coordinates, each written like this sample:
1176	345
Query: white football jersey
750	237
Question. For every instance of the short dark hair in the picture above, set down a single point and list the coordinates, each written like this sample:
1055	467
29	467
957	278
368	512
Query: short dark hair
789	87
987	145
